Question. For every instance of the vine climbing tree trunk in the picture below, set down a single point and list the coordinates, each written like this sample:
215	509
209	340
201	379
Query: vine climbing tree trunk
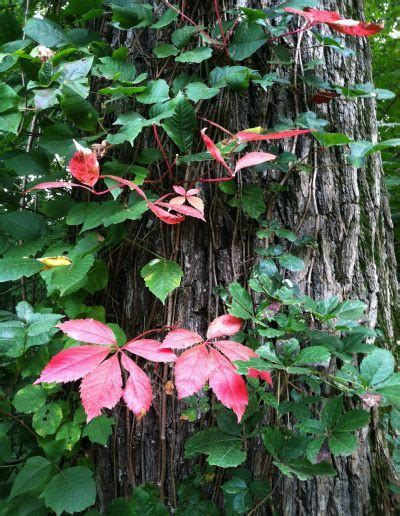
344	209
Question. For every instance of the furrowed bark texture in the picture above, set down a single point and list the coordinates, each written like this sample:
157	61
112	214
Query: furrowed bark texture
345	209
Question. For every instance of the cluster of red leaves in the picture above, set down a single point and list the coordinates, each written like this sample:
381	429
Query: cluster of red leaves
85	168
212	360
336	22
101	374
250	159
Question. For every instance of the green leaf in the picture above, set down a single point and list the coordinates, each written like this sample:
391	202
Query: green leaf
181	126
99	429
70	278
360	150
132	124
12	269
72	490
168	17
291	262
181	37
156	92
164	51
115	69
9	122
234	486
329	139
78	110
241	304
303	469
312	355
253	201
23	225
46	32
196	91
129	17
69	433
223	450
29	399
47	419
197	55
9	99
352	420
162	277
32	476
331	412
314	448
248	38
377	367
342	443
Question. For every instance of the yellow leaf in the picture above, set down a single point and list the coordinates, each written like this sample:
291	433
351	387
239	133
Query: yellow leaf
54	261
257	130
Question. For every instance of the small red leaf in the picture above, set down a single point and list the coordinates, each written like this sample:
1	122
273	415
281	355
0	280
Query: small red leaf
57	184
88	330
323	97
181	339
72	364
137	393
185	210
191	371
126	182
164	215
84	166
247	136
214	151
102	388
151	350
253	158
228	386
224	326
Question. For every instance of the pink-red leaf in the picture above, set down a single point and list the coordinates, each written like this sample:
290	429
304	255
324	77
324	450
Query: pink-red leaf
137	393
102	388
253	158
88	330
191	371
72	364
214	151
164	215
49	185
224	326
184	210
84	166
181	339
248	136
228	386
151	350
126	182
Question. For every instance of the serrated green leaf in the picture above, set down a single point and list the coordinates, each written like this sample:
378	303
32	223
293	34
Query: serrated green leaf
181	126
197	55
32	476
222	449
162	277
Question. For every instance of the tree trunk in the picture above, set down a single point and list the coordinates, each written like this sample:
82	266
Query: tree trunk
347	212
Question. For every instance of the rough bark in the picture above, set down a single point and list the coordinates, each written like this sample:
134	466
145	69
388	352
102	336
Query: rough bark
345	209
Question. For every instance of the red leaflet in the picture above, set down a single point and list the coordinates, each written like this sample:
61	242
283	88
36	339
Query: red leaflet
185	210
189	196
247	136
336	22
253	158
84	166
181	339
224	326
164	215
102	388
323	97
58	184
227	384
191	371
72	364
88	330
151	350
214	151
137	393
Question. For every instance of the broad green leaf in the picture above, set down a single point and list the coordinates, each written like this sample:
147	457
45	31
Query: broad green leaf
253	203
181	126
197	55
166	19
352	420
70	278
162	277
377	367
181	37
317	355
99	429
132	124
222	449
248	38
9	122
329	139
303	469
34	163
164	51
69	433
115	69
72	490
241	305
196	91
291	262
157	91
29	399
47	419
342	443
12	269
78	110
9	99
331	412
32	476
23	225
137	15
46	32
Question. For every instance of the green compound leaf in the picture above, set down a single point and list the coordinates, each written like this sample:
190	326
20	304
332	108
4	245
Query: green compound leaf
72	490
223	450
162	277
